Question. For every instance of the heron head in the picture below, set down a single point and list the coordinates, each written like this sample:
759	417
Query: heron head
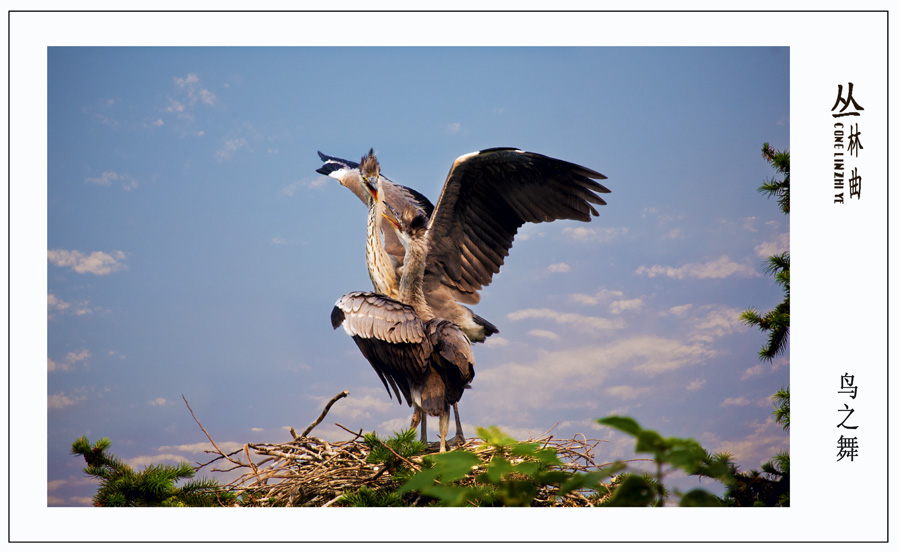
410	224
369	173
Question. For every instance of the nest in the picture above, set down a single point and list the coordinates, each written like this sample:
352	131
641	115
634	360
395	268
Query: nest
309	471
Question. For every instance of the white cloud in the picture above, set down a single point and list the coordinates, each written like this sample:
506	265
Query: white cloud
743	225
764	367
79	356
309	183
190	85
735	401
356	407
230	148
454	127
546	334
559	267
647	211
680	310
550	376
602	296
71	358
696	384
207	97
617	303
159	401
54	303
717	321
62	400
618	307
661	219
577	321
600	235
722	267
201	447
97	262
779	245
107	178
189	93
139	462
55	484
495	341
175	106
189	80
626	392
673	234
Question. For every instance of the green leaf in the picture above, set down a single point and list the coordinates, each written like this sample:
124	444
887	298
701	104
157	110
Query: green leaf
650	441
454	465
493	436
634	490
699	497
622	423
548	456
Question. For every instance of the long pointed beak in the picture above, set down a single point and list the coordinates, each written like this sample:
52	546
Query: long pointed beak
393	217
371	186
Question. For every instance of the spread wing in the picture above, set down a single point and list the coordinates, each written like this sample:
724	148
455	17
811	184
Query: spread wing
487	196
396	195
390	335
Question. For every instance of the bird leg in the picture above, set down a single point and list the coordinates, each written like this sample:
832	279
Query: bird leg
459	439
417	413
424	434
443	425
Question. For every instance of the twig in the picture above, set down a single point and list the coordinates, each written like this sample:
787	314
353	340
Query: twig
332	501
321	417
216	459
207	435
358	434
255	471
413	466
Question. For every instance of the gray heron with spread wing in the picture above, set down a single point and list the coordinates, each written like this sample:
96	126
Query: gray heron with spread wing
487	196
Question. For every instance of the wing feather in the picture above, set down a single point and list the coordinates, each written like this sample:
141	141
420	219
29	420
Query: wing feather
390	335
487	197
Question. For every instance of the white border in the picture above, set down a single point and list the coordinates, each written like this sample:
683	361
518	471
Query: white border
830	502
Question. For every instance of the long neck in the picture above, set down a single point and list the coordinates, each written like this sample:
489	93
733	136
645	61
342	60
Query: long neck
381	270
411	291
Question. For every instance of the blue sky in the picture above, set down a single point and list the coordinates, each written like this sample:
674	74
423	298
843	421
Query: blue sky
193	250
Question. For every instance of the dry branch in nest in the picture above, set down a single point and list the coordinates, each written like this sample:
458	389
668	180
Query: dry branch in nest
309	471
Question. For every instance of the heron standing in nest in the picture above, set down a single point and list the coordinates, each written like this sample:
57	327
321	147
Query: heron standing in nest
487	196
427	359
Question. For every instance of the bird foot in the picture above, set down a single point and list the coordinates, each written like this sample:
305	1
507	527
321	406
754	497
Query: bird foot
456	441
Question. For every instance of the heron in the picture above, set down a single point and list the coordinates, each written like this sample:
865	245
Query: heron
487	196
426	359
384	252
